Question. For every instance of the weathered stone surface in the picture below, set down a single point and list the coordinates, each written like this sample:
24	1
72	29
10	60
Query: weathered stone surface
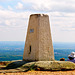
38	45
23	66
50	65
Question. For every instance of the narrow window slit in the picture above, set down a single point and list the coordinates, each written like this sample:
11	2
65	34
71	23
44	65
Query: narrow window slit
29	49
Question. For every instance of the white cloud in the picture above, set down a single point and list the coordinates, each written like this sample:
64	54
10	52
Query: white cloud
0	22
7	22
61	23
19	6
50	5
1	7
45	5
13	24
13	19
61	14
9	7
38	5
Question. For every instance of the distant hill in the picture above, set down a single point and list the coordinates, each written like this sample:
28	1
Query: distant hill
12	45
13	50
64	45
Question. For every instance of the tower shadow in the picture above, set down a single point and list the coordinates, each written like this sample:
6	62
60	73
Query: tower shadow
15	65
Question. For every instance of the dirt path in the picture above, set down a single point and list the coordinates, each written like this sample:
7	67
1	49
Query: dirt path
42	73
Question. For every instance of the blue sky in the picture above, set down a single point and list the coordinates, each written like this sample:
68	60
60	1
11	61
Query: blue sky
14	16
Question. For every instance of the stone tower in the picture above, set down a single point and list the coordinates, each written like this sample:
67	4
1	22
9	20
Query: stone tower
38	44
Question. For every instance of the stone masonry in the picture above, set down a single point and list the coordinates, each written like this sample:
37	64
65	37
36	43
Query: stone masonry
38	44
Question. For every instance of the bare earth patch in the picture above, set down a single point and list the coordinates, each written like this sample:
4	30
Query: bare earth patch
42	73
